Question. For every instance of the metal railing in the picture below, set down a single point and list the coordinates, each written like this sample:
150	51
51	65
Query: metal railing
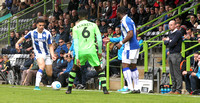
167	19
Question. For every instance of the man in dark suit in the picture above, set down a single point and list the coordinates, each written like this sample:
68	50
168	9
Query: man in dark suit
174	43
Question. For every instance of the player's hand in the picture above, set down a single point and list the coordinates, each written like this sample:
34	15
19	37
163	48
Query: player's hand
54	57
106	39
61	73
119	45
17	47
78	63
99	55
193	74
184	72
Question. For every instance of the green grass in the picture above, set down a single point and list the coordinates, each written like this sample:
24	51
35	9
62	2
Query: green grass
23	94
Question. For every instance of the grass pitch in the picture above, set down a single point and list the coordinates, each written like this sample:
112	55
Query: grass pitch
24	94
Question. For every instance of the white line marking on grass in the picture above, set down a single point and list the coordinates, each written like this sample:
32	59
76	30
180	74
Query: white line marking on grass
64	89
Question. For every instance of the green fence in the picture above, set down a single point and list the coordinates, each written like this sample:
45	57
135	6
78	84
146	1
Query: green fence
179	13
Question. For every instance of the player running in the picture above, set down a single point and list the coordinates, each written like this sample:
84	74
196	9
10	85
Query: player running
131	50
84	44
42	44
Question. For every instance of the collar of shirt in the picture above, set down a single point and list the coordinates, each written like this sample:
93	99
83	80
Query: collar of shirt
174	30
123	18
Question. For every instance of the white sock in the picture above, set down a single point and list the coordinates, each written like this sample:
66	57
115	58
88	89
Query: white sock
38	77
135	77
127	76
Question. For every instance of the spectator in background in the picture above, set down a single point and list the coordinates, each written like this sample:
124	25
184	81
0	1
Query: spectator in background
134	15
69	45
62	46
4	10
114	10
193	20
22	6
93	12
103	27
1	63
26	46
57	11
63	34
174	42
191	82
6	65
103	10
195	77
28	62
60	23
142	16
108	9
34	26
65	73
60	65
67	25
15	6
98	22
74	16
12	39
17	36
55	35
110	31
99	9
27	66
73	5
31	73
8	4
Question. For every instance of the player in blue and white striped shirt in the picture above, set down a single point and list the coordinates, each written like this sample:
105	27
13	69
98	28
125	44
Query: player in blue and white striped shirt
42	44
130	53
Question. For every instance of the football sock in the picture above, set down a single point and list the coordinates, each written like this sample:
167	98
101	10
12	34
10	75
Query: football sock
127	76
38	77
72	76
125	84
135	77
102	78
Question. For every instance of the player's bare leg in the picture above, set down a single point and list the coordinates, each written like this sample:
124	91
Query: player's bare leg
102	77
48	69
72	76
41	65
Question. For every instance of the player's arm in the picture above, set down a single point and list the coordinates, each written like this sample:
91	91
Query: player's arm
99	39
75	37
128	37
51	49
19	42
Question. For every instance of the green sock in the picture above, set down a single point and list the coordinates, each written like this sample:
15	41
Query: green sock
72	76
102	78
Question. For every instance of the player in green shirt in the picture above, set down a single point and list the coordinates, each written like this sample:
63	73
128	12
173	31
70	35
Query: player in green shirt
84	34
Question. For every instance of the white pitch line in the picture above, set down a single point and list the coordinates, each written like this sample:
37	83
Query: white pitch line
64	89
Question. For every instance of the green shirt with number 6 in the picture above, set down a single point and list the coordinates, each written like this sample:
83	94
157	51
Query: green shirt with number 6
84	37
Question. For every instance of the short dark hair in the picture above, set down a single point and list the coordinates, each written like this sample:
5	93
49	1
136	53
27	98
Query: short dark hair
197	53
40	21
121	10
83	13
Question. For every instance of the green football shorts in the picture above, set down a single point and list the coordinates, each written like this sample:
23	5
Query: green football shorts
92	58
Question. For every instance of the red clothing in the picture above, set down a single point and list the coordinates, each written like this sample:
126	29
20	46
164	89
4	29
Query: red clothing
114	12
156	4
